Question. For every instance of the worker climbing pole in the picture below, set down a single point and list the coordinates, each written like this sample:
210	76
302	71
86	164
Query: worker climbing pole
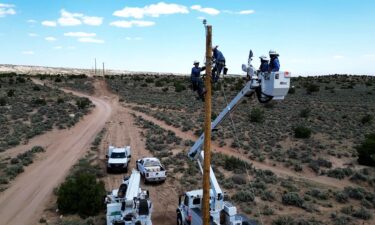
207	128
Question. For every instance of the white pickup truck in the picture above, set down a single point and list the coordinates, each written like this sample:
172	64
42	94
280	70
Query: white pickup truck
118	159
151	170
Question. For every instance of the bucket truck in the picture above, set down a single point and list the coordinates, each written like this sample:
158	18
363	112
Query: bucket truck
129	205
266	86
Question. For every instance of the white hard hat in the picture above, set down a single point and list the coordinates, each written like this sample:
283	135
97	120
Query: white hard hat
273	52
263	57
196	62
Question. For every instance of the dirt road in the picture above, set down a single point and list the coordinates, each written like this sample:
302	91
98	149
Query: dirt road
23	202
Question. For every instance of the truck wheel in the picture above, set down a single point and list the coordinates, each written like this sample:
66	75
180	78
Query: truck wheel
108	170
179	219
126	169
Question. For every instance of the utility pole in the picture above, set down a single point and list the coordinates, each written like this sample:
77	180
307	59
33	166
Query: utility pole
95	66
103	70
207	130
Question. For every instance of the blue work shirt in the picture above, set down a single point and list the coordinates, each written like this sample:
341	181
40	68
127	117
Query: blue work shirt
264	67
218	56
196	73
274	65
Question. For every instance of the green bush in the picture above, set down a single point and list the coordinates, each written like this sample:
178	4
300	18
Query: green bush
366	151
3	101
367	119
292	198
362	213
81	194
302	132
178	87
243	196
256	115
310	88
83	103
305	113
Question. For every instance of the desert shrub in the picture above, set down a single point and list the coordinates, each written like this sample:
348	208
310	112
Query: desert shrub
292	198
356	193
58	80
340	173
13	170
283	220
81	194
256	115
341	219
310	88
3	101
341	197
316	193
302	132
83	103
178	87
4	180
243	196
36	88
10	93
235	164
239	179
268	196
305	113
159	83
292	90
362	213
366	151
367	119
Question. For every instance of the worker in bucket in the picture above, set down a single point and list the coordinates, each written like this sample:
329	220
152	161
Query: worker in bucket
264	65
219	61
196	79
274	65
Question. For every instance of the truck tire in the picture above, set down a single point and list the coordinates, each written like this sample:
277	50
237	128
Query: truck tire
108	170
126	169
145	180
179	219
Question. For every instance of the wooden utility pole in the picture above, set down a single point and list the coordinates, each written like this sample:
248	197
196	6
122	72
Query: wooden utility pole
207	130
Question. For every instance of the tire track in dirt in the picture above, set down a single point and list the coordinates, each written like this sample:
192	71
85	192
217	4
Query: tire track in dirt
23	202
120	131
283	172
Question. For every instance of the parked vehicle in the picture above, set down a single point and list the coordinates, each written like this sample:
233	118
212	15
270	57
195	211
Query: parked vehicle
118	159
129	205
151	170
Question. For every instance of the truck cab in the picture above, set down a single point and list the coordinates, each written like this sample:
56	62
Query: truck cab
118	159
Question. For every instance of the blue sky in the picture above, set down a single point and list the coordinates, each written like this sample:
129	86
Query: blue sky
312	36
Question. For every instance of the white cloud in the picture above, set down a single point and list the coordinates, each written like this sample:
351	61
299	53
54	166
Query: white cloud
28	53
7	9
210	11
32	35
129	24
92	20
71	47
31	21
50	39
153	10
75	19
90	40
79	34
48	23
58	47
369	55
246	12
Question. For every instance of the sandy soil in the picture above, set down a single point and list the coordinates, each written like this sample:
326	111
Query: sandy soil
24	201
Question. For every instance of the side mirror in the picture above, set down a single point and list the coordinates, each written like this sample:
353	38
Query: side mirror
244	68
106	156
129	156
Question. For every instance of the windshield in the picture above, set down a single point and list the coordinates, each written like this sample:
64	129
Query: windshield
152	163
118	155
